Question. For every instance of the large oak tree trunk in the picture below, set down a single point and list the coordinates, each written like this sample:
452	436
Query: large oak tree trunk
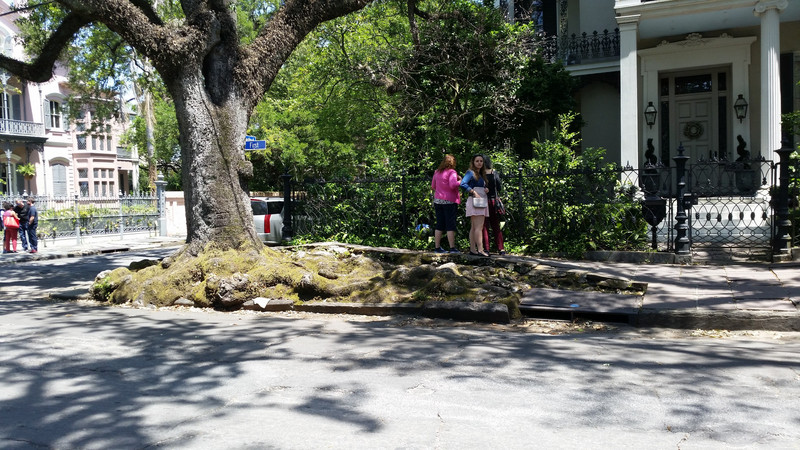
215	171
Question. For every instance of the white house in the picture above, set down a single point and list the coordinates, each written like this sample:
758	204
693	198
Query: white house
34	130
695	61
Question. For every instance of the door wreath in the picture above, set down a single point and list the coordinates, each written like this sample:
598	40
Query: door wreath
693	130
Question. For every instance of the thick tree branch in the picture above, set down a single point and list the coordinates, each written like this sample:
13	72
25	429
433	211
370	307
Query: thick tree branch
421	13
412	23
192	7
41	69
262	59
148	11
169	47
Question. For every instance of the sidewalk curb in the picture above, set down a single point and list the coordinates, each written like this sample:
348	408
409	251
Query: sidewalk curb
557	304
463	311
28	257
498	313
466	311
727	320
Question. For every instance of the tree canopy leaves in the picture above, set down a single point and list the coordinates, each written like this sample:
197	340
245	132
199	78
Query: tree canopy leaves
362	93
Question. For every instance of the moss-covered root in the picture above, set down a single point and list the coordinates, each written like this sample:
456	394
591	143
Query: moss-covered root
195	279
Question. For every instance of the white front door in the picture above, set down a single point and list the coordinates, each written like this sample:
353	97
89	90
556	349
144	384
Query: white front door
695	126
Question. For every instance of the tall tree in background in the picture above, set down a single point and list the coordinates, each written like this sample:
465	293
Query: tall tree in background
473	80
381	89
215	81
159	134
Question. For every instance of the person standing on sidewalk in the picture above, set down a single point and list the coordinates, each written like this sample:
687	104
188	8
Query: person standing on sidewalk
493	187
474	182
11	228
446	199
33	223
21	208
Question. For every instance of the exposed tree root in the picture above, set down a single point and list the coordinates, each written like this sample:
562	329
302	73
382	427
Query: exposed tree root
225	279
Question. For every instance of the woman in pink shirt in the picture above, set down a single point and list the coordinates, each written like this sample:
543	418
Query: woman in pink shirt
446	199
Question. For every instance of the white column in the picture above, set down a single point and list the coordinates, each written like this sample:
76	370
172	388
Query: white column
796	84
629	90
769	10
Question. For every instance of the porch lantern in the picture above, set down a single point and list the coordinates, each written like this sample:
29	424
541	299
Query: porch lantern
650	114
741	108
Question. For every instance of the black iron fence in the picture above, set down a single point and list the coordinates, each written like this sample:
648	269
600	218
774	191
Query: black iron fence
666	208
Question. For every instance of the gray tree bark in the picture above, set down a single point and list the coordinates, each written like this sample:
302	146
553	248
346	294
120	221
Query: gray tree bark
215	171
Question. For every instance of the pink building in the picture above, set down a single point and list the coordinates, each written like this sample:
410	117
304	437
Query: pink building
35	129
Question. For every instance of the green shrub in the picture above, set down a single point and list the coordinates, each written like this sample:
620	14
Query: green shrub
573	202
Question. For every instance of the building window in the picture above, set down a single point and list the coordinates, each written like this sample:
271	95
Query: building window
83	173
96	173
55	114
10	107
694	84
59	179
84	188
97	189
94	142
81	142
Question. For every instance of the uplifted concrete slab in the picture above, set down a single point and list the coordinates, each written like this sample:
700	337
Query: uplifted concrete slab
581	301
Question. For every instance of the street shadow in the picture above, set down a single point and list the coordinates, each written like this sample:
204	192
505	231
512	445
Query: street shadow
125	360
689	379
36	279
110	365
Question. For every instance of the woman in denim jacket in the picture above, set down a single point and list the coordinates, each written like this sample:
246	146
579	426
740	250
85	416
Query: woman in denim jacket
474	182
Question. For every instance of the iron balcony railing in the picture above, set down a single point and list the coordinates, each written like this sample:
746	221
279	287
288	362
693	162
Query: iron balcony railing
21	128
581	49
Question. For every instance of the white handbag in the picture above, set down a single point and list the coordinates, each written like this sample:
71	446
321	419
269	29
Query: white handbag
480	202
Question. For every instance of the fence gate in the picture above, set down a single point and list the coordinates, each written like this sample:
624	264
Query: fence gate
730	206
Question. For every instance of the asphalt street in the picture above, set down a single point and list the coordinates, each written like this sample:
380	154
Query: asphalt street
77	375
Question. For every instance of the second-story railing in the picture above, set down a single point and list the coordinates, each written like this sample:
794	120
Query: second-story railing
581	49
125	153
21	128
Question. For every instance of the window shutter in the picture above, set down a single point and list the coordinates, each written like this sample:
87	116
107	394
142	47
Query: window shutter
59	180
46	110
16	107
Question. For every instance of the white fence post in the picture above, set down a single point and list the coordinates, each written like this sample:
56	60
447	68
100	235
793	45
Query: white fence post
77	222
162	204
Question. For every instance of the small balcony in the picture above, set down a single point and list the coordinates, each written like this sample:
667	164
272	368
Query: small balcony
126	154
21	128
581	49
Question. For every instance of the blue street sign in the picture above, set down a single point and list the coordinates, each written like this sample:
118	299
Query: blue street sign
255	145
249	138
